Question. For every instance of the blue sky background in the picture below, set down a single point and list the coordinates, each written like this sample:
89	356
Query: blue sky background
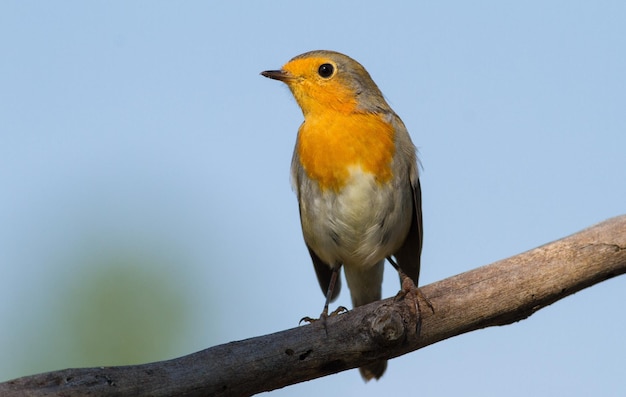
143	131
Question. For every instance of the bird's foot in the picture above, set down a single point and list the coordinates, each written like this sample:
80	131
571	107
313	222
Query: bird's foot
323	316
410	291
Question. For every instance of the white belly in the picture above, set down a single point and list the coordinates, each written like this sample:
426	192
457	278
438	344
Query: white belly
358	226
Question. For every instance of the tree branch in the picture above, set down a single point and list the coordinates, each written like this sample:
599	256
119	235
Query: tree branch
501	293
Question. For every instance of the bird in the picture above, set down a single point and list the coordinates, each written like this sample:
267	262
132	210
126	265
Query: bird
355	174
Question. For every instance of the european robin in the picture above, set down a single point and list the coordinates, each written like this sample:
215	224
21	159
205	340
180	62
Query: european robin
354	170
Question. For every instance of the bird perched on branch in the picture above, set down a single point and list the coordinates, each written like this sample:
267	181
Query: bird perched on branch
355	173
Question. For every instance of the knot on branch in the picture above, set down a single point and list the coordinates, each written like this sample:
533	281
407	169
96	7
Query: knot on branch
386	326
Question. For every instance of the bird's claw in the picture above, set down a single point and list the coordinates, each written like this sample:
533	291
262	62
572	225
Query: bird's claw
339	310
308	319
409	289
324	315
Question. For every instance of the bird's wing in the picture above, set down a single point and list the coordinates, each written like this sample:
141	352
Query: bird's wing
409	254
324	273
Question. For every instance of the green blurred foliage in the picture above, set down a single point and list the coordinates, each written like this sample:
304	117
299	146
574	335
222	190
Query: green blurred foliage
114	309
124	314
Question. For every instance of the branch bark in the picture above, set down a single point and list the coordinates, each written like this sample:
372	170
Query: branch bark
506	291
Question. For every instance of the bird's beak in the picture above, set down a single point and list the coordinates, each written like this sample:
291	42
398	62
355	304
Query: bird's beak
280	75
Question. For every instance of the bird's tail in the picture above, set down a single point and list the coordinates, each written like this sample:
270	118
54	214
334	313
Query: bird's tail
374	370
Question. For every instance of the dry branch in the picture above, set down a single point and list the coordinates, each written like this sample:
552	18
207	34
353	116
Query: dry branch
501	293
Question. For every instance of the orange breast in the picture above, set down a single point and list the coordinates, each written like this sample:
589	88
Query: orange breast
329	146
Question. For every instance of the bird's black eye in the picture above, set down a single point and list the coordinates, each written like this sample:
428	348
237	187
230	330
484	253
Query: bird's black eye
326	70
